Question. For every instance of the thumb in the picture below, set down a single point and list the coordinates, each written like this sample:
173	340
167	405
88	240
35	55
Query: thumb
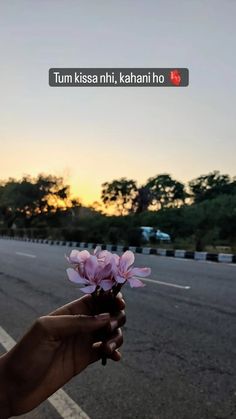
63	326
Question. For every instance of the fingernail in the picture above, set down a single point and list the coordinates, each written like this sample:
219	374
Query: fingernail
114	324
103	316
112	346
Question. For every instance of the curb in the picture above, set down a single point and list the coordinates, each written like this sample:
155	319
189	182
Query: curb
180	254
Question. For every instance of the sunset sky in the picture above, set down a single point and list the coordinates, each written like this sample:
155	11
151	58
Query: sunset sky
93	135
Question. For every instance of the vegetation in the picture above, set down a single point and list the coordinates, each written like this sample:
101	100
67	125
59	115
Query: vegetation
196	215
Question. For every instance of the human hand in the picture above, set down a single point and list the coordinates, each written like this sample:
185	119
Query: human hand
59	346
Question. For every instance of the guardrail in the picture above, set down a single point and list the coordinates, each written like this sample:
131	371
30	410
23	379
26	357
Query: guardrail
183	254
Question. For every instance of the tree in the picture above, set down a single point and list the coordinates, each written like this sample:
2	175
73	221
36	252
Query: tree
119	194
210	186
166	192
142	199
29	198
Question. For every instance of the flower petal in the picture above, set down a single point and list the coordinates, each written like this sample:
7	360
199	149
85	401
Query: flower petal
120	279
104	272
143	272
90	267
107	256
74	256
114	266
135	283
97	250
84	255
104	257
116	258
75	277
126	260
106	284
89	289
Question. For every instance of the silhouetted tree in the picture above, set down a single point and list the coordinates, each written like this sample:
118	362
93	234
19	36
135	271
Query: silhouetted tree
210	186
29	198
166	192
142	199
119	194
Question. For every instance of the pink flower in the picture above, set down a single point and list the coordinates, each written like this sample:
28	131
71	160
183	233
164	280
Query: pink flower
78	259
126	271
89	272
103	256
103	270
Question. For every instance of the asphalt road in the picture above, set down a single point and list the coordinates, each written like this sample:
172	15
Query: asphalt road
179	354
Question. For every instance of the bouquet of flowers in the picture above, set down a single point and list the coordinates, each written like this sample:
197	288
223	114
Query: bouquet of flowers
104	272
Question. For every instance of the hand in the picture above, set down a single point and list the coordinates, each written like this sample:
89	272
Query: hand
59	346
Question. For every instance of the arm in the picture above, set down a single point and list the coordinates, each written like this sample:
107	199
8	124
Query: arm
4	402
56	348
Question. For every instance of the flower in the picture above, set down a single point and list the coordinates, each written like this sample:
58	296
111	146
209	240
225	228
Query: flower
104	270
126	271
78	259
88	271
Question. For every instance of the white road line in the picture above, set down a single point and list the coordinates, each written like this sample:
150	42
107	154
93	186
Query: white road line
168	284
28	255
65	406
6	340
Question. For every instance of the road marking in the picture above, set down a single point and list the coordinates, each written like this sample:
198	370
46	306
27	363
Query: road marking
168	284
28	255
65	406
6	340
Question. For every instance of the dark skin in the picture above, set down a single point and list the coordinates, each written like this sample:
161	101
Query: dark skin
56	348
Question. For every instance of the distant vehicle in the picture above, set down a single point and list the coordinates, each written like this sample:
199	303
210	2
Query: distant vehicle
151	232
162	236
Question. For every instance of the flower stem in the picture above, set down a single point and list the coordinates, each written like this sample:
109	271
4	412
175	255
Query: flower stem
115	290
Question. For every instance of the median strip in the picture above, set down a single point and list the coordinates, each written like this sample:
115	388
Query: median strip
180	254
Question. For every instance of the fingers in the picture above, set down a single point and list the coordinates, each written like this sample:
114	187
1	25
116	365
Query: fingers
88	305
59	327
108	348
120	302
116	321
116	356
79	306
108	303
104	303
113	343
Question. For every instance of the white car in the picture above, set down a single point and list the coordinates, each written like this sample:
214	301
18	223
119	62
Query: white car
148	232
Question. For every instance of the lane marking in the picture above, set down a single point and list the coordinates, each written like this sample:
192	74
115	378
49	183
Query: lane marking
6	340
65	406
62	403
168	284
28	255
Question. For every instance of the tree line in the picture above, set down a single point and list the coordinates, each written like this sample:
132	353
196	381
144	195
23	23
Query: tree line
162	191
195	214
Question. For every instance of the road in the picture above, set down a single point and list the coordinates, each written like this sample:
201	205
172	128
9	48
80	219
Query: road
179	354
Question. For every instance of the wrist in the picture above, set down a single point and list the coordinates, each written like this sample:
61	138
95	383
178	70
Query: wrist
4	394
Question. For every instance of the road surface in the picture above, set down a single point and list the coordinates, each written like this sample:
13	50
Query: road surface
179	354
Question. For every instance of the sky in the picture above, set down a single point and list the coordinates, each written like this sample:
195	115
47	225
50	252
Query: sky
94	135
